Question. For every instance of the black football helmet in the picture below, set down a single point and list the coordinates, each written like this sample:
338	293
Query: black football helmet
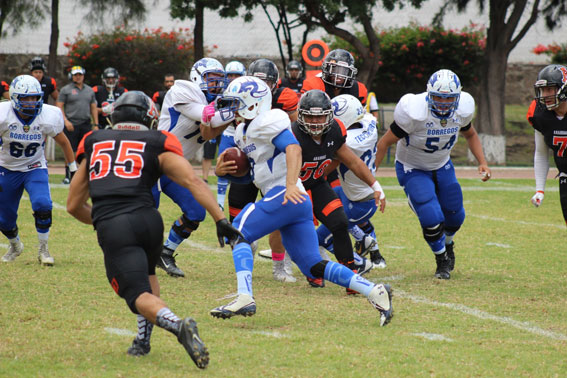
110	77
294	65
266	70
554	75
315	103
134	110
37	63
338	69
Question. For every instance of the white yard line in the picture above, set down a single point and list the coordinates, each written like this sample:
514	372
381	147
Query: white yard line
524	326
433	337
120	331
539	224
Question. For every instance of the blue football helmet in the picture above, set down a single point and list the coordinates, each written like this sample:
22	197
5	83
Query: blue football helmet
209	74
444	84
22	88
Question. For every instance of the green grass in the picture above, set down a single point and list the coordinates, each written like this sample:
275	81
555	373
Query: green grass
499	315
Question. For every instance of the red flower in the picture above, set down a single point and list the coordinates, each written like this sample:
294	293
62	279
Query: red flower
95	46
128	38
67	44
180	47
420	44
215	47
466	62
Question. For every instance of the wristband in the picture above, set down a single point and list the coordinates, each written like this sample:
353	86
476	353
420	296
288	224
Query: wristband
378	188
72	166
540	191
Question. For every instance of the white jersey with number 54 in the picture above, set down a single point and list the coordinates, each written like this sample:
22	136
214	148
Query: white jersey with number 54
430	140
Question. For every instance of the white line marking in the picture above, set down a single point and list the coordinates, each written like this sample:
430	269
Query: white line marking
55	204
392	278
433	337
120	332
394	247
525	326
561	227
500	245
487	188
275	334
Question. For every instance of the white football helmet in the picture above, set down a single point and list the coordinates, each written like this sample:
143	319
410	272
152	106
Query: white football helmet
24	86
235	68
247	96
347	109
211	85
444	84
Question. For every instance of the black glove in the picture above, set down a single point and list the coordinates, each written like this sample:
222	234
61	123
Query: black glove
226	230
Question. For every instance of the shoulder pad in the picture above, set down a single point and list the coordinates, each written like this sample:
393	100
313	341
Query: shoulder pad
411	107
184	91
466	105
269	124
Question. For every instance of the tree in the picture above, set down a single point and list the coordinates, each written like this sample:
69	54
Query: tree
507	26
17	14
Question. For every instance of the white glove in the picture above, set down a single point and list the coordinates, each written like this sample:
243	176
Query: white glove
537	199
107	108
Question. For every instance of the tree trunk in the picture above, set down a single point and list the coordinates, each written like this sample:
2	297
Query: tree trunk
54	39
199	50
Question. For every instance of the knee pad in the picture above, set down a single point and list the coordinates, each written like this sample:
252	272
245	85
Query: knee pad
10	234
337	221
434	233
367	228
451	230
184	226
318	270
42	219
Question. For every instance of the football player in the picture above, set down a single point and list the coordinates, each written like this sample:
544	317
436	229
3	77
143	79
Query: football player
117	170
547	116
106	94
357	197
48	84
187	114
294	77
25	123
275	158
426	127
323	139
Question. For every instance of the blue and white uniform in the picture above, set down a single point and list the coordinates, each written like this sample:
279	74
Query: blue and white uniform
423	161
23	164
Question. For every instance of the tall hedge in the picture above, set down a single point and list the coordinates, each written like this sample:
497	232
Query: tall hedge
141	57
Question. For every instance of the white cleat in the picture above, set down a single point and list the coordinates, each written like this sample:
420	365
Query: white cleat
43	255
280	274
380	298
243	305
265	253
288	265
14	250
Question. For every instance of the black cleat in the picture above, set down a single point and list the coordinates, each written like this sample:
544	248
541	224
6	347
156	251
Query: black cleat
377	258
365	245
166	261
189	338
449	248
443	266
139	348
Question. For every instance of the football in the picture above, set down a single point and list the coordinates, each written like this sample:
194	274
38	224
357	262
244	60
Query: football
242	164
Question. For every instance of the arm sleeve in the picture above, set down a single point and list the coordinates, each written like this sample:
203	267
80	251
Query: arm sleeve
284	139
541	161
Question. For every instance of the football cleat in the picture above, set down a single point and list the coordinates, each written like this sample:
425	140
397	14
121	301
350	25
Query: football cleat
443	266
288	266
365	267
43	255
381	298
279	272
316	282
365	245
243	305
377	258
166	261
14	250
189	338
138	348
449	248
265	253
66	181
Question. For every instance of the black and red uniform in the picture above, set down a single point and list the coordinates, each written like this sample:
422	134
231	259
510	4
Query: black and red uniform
122	167
48	86
103	96
357	90
240	195
158	97
296	87
327	206
554	132
4	87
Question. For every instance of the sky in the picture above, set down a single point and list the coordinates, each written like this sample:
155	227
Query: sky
235	36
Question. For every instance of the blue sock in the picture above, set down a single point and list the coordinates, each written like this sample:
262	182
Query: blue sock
356	233
438	246
222	186
243	264
360	284
173	240
338	274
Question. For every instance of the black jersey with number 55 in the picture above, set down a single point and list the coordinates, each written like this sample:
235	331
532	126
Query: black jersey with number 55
122	167
317	156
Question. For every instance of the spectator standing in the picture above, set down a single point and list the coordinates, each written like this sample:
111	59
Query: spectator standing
106	94
78	103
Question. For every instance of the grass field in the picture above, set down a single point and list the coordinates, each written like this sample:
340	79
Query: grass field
502	313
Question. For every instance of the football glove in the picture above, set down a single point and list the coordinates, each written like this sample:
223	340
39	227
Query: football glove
537	199
208	113
225	229
107	108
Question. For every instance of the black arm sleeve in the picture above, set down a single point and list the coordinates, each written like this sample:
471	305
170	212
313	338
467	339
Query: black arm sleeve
397	130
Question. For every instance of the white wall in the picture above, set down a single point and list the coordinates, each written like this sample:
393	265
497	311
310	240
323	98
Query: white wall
235	37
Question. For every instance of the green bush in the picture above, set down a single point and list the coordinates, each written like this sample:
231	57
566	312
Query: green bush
409	55
141	57
558	53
